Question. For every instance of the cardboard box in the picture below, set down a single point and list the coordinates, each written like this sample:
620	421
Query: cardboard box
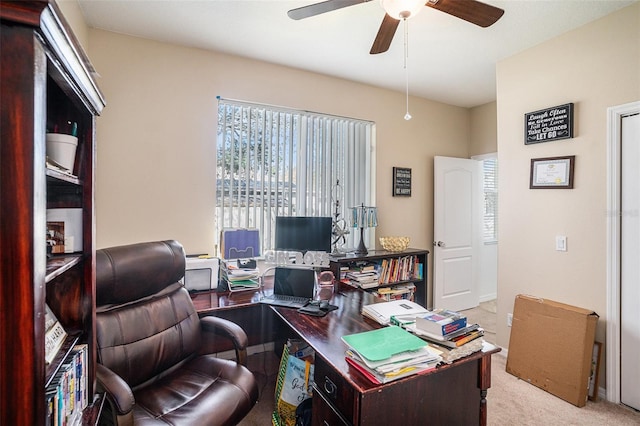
551	345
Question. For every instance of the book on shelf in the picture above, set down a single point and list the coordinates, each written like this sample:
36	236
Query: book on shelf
67	395
54	335
396	292
367	279
383	311
441	322
388	354
399	269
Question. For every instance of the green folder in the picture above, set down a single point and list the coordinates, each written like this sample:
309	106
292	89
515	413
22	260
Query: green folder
383	343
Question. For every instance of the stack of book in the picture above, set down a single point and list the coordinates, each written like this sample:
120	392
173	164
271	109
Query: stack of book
237	279
364	276
447	329
396	292
389	353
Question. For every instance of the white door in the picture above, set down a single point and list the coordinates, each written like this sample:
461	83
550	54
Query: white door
457	231
629	265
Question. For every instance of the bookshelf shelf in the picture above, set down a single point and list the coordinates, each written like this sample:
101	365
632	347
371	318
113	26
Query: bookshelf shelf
57	265
339	265
46	86
52	368
53	174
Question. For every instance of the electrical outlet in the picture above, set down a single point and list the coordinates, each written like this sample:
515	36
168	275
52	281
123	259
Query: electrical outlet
509	319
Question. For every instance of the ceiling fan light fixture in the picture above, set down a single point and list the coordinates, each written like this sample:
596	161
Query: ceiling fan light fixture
402	9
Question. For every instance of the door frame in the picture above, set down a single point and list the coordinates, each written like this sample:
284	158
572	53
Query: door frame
614	140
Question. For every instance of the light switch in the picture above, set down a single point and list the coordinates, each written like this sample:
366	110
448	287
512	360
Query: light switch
561	243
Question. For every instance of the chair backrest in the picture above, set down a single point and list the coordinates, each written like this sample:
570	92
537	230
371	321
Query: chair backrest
145	320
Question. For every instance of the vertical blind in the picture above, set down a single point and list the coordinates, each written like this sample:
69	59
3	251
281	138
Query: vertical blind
490	185
274	161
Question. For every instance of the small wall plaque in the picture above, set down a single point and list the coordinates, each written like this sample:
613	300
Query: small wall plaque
552	172
401	182
548	124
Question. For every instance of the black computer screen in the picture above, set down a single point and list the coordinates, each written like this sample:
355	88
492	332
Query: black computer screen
303	233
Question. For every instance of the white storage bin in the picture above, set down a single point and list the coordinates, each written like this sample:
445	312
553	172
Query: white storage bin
61	149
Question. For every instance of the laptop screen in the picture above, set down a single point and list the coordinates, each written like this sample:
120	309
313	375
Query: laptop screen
294	282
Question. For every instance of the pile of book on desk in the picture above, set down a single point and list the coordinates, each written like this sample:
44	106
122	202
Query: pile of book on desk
389	353
448	330
445	330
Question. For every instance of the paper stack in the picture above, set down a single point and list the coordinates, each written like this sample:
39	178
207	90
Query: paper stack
383	311
239	278
389	353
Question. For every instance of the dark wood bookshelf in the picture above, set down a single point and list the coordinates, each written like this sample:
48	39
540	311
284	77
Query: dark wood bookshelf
46	83
376	256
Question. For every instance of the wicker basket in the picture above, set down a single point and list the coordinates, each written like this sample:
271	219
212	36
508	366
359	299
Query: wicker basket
394	243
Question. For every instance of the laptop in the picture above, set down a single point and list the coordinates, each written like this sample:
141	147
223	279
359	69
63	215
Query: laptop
292	288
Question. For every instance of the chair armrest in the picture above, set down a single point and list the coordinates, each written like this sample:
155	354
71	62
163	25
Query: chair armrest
230	330
118	393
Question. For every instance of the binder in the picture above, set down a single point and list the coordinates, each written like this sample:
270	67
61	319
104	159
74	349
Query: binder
383	343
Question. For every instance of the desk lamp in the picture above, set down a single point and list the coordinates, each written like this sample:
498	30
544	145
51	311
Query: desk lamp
363	217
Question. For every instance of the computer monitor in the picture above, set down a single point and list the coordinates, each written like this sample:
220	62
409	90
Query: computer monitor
303	233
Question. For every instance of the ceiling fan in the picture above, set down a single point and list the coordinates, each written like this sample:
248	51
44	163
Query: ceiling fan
472	11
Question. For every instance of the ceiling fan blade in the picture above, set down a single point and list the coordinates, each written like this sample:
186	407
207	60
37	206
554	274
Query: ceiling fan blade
322	7
472	11
385	35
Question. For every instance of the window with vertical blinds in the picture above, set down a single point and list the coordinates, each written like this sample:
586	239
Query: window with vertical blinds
490	212
274	161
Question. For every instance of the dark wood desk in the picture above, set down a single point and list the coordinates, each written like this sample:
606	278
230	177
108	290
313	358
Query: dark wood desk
450	395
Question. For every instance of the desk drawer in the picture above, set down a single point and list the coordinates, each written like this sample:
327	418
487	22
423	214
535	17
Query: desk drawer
335	389
324	413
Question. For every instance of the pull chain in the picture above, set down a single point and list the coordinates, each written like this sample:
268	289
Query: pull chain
407	116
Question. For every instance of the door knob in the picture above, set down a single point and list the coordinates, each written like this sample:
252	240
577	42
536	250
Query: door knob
438	243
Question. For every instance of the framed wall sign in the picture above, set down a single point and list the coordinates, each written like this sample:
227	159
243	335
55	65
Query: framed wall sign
552	172
401	182
548	124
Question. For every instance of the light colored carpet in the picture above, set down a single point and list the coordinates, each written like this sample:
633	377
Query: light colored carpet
485	316
511	401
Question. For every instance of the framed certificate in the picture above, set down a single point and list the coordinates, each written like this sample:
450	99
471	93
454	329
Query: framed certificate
552	172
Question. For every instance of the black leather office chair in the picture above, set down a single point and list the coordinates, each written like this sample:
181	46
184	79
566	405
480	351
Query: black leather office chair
149	344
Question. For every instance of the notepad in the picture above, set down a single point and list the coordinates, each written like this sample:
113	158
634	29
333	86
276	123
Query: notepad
383	343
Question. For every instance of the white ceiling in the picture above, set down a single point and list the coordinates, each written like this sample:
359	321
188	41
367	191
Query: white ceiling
450	60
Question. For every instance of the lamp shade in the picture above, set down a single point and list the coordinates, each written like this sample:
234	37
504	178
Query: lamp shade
364	217
402	9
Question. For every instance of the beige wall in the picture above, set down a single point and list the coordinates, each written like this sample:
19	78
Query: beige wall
484	129
73	14
595	67
156	137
